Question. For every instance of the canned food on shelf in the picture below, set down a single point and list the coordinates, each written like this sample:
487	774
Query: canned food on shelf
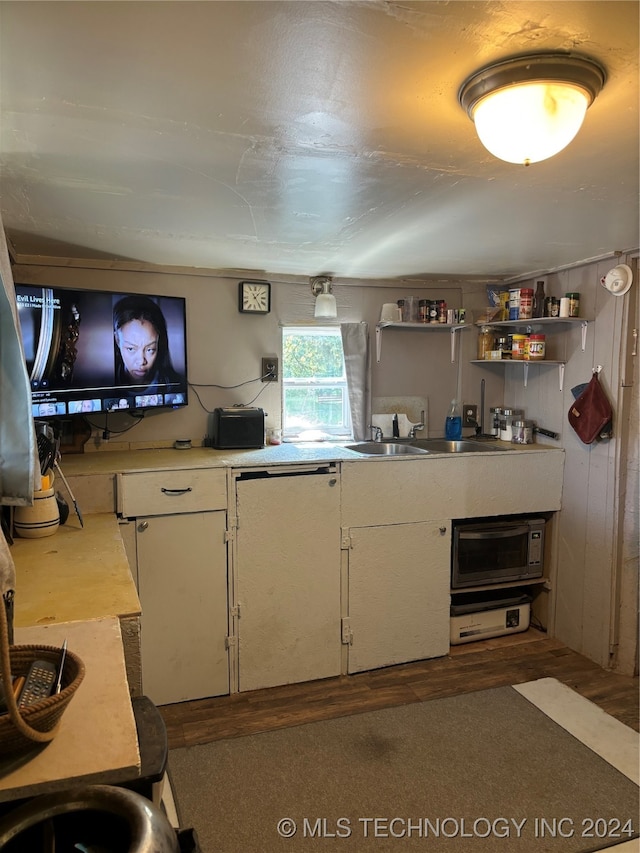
526	303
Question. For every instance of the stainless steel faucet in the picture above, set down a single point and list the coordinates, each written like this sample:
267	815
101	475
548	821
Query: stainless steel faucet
415	427
378	432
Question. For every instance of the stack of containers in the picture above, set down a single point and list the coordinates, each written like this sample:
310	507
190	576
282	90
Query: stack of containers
506	420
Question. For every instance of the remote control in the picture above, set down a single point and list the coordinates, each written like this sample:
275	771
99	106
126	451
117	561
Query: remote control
39	684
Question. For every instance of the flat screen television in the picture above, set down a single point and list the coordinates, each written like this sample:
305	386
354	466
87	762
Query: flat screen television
95	351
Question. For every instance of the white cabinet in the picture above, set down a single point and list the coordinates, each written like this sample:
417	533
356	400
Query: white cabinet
398	593
182	582
287	576
180	562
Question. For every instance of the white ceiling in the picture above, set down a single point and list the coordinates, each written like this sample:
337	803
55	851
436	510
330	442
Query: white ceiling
305	137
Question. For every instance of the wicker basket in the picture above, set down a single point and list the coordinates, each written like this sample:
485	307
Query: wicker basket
21	729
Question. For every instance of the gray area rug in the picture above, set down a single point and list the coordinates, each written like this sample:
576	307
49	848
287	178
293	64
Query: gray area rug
485	771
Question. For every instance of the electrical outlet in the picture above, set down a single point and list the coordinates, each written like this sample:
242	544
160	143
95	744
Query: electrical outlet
469	415
269	369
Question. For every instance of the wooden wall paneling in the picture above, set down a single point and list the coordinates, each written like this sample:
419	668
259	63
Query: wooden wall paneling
602	492
624	610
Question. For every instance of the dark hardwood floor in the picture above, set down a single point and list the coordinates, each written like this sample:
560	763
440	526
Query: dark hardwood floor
476	666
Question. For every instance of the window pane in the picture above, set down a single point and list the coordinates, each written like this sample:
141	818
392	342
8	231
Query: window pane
312	355
314	385
308	407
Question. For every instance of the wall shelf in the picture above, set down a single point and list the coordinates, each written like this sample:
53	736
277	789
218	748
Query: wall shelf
537	324
525	366
419	327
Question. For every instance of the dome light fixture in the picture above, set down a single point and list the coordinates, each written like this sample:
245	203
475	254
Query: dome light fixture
528	108
326	307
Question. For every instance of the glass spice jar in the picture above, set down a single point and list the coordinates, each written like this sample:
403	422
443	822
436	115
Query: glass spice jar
574	304
495	412
485	342
503	345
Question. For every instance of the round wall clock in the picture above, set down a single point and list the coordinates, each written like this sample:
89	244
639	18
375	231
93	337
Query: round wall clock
254	297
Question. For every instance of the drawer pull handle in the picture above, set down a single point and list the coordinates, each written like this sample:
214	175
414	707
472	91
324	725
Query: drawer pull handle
176	491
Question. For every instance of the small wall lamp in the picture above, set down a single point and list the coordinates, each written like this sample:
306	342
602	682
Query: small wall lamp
326	307
530	107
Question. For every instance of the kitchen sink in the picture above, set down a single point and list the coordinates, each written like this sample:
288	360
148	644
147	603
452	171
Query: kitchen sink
442	445
386	448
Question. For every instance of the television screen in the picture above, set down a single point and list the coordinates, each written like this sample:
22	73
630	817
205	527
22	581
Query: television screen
95	351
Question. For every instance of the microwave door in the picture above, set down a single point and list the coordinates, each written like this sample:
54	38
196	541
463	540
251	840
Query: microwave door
490	555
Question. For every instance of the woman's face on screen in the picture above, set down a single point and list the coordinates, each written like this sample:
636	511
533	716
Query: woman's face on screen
138	344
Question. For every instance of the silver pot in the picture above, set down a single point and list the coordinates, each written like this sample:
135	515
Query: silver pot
141	825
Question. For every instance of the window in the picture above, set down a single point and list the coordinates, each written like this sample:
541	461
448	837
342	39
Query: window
314	383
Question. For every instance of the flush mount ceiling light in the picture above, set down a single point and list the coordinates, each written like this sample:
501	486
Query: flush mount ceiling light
326	307
530	107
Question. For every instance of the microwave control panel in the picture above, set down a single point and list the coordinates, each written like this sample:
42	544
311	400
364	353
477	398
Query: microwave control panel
535	548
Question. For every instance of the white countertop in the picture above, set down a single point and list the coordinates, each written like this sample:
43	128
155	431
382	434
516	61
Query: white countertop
111	462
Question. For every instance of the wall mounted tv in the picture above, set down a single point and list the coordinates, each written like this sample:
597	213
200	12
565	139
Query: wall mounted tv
95	351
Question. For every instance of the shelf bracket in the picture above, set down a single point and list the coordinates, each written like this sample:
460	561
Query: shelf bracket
454	341
584	325
525	371
378	343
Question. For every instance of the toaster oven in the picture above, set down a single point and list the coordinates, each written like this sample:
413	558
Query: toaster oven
237	427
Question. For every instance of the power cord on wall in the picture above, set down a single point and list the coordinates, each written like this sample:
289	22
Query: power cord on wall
195	385
107	433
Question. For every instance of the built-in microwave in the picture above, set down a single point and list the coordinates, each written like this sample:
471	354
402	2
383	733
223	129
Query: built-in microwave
496	550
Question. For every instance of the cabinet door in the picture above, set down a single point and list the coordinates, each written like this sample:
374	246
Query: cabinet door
398	593
182	576
288	576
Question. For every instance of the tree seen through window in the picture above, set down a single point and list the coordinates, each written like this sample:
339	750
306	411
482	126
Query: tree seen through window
314	383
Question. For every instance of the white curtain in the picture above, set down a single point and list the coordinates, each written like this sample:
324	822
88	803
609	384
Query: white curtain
17	435
355	345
